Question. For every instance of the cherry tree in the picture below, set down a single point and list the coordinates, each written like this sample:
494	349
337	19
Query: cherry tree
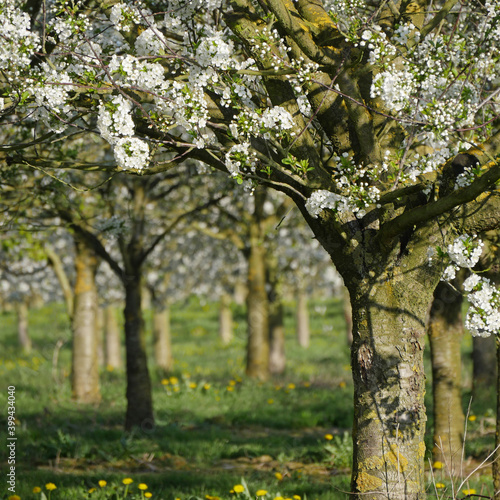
378	119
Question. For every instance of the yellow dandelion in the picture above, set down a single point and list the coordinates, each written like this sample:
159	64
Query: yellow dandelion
50	486
110	368
206	387
437	465
307	384
278	498
230	388
270	401
37	489
232	382
278	476
128	480
342	384
148	494
92	490
440	486
193	385
328	437
291	386
14	497
472	418
296	497
102	483
239	488
176	389
277	387
165	381
210	497
261	493
142	486
471	491
174	380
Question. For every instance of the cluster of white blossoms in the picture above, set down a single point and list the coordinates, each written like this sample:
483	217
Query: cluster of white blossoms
483	315
116	126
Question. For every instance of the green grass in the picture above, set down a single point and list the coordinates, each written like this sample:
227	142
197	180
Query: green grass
207	437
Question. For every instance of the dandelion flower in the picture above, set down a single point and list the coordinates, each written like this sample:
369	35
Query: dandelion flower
472	418
210	497
128	481
437	465
278	476
174	380
37	489
278	498
239	488
142	486
50	486
440	485
328	437
92	490
102	483
165	381
148	494
206	387
193	385
14	497
270	401
291	386
472	491
261	493
296	497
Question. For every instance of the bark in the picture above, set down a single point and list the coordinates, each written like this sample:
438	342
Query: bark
85	373
445	329
99	333
257	299
58	267
496	455
346	307
112	336
303	331
277	356
389	387
139	400
483	364
225	320
22	326
162	339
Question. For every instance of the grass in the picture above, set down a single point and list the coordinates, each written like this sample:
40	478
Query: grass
213	426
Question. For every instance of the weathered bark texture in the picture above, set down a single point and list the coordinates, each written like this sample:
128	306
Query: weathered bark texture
139	399
225	319
22	325
162	339
389	388
445	329
112	336
302	315
85	374
496	455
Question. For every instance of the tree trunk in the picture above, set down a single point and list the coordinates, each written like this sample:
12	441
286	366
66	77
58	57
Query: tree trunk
257	309
483	366
225	319
139	399
22	325
112	336
496	455
99	333
58	267
445	330
303	332
277	357
162	339
85	373
389	386
346	307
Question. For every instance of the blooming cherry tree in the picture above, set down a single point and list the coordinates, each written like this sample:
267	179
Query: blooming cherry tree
380	120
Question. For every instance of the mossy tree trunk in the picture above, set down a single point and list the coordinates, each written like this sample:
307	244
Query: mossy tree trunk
225	319
257	300
99	333
302	316
23	334
162	338
445	329
85	365
112	339
496	455
484	366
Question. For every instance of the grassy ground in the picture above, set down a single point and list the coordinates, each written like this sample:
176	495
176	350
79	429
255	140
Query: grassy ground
214	429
